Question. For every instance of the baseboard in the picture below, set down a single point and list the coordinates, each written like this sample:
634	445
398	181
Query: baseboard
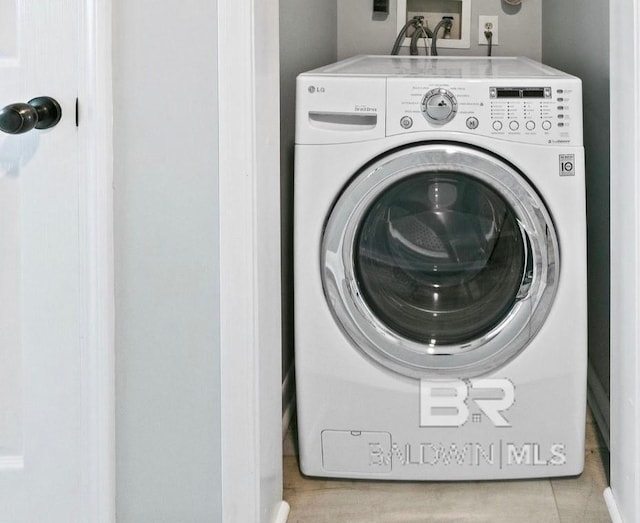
614	513
599	402
283	513
288	399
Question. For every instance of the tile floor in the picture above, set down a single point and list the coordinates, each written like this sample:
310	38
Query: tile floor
570	500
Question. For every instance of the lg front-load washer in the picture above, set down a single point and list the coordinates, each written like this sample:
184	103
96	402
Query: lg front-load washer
440	269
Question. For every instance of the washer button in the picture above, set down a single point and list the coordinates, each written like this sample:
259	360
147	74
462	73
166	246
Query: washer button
497	125
531	125
472	122
546	125
406	122
514	125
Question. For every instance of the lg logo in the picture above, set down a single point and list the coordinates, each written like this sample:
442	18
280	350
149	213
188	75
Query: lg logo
313	89
445	403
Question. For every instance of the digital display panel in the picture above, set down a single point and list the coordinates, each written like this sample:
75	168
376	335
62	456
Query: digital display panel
520	92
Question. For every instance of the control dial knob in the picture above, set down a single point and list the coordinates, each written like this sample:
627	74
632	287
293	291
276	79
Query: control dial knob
439	106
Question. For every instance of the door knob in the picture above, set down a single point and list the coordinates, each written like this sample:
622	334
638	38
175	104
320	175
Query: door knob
42	113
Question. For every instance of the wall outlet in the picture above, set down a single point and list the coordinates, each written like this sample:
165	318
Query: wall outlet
432	19
487	23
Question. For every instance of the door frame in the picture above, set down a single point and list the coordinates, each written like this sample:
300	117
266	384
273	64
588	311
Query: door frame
622	499
95	116
250	290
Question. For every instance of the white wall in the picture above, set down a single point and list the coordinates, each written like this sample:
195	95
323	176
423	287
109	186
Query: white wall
308	39
575	38
519	29
167	251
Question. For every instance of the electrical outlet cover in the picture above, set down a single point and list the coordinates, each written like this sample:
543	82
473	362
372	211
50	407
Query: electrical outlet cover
483	20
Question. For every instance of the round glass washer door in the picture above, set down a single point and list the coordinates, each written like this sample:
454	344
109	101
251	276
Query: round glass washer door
440	260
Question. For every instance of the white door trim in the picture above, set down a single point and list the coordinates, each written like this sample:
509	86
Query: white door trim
238	336
95	111
250	261
622	499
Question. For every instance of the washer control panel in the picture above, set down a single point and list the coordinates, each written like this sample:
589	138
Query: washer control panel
537	110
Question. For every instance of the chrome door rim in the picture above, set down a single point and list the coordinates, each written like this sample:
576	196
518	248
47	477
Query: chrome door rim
407	357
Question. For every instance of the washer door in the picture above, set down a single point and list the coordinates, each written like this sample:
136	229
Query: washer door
440	260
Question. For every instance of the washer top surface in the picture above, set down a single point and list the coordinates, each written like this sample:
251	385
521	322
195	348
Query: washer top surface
442	67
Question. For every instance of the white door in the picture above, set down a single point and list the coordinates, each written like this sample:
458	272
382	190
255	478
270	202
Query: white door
41	295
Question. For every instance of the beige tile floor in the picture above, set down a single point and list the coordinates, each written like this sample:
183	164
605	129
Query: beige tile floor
570	500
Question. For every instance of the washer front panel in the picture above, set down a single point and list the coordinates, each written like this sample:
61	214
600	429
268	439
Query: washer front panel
440	260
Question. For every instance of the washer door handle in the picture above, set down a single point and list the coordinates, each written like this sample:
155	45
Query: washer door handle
528	272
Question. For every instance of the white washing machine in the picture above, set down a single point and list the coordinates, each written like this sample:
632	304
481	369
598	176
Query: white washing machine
440	269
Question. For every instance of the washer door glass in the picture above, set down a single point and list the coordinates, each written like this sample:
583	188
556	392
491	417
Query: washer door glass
440	260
